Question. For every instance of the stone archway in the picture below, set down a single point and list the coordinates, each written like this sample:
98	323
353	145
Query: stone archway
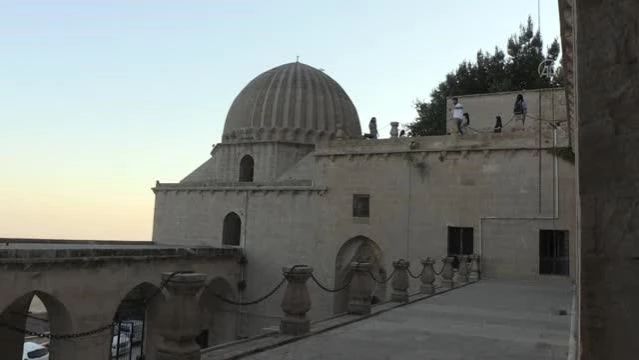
139	311
358	248
219	318
16	316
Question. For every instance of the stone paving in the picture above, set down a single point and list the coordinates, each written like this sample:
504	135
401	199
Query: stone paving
487	320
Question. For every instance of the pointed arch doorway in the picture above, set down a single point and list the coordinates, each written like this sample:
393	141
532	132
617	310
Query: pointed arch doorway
358	248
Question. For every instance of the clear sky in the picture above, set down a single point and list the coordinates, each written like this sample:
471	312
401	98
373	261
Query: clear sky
98	99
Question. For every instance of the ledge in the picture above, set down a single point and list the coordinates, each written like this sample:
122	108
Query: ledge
242	188
27	255
450	143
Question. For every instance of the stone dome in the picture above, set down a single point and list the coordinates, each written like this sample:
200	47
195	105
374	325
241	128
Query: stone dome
292	102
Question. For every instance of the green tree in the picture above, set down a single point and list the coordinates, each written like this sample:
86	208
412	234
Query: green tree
515	69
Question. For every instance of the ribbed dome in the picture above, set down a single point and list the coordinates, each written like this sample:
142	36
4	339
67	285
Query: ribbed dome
293	102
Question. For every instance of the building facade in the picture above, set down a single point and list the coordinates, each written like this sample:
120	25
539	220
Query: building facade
294	182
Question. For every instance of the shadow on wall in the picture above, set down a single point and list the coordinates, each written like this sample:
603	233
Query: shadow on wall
219	318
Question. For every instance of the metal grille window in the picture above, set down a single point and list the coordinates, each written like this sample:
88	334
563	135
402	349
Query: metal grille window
361	206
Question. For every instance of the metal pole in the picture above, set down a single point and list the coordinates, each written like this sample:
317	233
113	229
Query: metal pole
117	345
539	126
131	342
143	335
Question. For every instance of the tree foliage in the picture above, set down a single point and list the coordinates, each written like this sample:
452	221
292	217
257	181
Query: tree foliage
515	69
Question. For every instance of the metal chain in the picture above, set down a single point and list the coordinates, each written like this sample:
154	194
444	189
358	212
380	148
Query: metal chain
381	282
489	131
440	271
416	276
90	332
256	301
325	288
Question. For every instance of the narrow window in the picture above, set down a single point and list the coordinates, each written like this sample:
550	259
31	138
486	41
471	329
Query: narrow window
231	230
361	206
554	258
246	169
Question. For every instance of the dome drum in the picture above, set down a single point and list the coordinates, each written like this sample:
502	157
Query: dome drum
297	135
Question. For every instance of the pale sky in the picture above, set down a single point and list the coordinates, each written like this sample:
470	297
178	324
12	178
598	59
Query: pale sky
99	99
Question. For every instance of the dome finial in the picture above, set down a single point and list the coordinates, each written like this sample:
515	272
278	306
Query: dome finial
298	59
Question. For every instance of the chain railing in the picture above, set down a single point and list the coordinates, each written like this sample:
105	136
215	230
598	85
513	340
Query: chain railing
296	303
98	330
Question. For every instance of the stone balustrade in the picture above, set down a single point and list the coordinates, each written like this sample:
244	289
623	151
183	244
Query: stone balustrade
296	302
361	289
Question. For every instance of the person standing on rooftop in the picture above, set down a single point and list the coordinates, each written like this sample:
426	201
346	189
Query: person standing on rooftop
520	109
458	115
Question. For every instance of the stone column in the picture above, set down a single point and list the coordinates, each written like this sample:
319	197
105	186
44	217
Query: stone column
394	131
428	277
400	281
448	273
463	269
181	313
296	302
360	290
474	268
607	89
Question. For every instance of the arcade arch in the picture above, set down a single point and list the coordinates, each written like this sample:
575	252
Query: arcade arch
138	316
16	316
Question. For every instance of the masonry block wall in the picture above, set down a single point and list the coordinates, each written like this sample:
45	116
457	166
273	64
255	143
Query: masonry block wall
483	108
489	183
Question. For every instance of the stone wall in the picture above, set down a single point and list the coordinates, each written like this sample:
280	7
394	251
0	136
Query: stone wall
82	287
483	108
607	89
271	160
418	187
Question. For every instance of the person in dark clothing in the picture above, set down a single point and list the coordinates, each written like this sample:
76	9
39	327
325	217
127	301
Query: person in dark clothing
520	109
498	125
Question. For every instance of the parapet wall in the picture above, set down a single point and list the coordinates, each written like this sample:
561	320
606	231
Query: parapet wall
483	108
470	142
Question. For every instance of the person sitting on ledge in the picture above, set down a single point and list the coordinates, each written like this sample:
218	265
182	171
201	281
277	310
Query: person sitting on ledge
498	125
372	127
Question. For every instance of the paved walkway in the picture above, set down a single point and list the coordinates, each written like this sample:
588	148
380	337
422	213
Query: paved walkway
486	320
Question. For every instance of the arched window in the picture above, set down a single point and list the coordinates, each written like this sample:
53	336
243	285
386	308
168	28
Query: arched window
231	230
246	169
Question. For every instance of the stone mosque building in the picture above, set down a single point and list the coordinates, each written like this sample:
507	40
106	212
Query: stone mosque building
293	181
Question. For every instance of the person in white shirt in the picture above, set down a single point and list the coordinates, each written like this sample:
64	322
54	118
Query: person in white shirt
458	115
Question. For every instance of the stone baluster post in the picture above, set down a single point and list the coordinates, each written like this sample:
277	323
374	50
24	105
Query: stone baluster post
474	268
428	277
394	131
361	288
296	302
448	273
181	317
463	269
400	281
